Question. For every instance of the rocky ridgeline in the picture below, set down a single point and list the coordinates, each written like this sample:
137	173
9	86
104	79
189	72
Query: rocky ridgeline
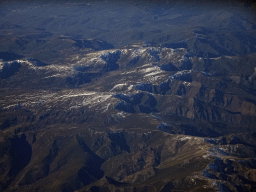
175	88
142	118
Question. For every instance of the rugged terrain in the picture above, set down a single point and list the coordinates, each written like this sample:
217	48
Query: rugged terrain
172	110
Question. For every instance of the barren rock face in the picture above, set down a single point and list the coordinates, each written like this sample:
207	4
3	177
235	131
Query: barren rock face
127	96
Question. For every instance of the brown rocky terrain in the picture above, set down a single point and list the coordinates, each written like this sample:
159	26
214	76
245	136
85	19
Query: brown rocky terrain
98	114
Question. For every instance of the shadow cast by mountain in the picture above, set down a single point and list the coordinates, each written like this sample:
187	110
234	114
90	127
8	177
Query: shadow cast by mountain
8	56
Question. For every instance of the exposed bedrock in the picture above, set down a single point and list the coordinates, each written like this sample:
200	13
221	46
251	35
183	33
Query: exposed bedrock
111	60
9	69
140	102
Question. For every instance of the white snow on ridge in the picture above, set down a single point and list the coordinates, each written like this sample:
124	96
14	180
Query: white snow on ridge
130	87
153	73
58	68
149	69
95	100
118	87
56	75
1	64
140	51
77	95
80	98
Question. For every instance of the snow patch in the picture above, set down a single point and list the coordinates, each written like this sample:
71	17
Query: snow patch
130	87
185	138
153	73
150	69
118	87
95	100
